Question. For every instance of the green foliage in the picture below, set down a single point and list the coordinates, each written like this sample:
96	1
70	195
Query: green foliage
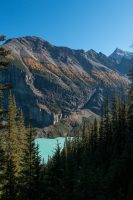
2	169
31	167
19	158
95	165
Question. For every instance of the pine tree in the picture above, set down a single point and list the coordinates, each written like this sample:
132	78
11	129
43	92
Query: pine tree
9	189
107	117
122	124
101	129
13	134
130	102
22	141
95	134
4	61
31	168
11	151
115	112
2	154
3	54
4	157
2	169
3	86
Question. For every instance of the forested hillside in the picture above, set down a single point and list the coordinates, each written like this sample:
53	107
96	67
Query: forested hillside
97	165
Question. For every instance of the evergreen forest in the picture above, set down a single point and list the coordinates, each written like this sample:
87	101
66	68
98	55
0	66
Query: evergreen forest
96	165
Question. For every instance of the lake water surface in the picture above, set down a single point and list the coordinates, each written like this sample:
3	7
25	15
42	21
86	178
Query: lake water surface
47	146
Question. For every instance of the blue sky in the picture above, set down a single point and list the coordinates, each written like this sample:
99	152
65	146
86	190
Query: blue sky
101	25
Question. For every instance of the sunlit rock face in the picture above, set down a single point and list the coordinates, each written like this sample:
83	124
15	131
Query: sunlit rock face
50	82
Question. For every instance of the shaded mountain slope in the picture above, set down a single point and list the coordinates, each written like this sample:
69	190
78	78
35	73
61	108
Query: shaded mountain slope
50	82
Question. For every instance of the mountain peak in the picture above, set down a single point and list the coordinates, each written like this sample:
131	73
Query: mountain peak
29	40
119	54
118	50
92	51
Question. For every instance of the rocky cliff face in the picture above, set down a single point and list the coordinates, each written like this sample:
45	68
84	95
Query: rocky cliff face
50	81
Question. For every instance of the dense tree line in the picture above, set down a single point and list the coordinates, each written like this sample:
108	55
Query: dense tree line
19	158
96	165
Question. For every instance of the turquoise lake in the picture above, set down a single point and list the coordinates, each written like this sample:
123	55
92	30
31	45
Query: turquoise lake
47	146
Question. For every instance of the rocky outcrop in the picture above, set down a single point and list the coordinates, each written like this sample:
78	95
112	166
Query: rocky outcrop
25	97
56	118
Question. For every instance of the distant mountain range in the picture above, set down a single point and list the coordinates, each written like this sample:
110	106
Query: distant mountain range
52	82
